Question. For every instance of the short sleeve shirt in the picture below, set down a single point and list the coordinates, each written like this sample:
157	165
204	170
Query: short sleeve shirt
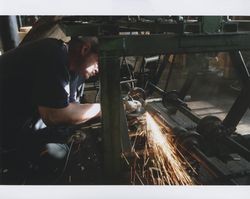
34	74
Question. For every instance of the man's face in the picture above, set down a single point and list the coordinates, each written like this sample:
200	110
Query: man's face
89	67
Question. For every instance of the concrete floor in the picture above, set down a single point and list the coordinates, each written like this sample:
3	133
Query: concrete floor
219	109
210	94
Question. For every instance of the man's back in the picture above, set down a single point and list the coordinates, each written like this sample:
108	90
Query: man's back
31	75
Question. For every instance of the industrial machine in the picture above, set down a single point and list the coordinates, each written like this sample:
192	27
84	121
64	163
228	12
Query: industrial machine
137	63
209	141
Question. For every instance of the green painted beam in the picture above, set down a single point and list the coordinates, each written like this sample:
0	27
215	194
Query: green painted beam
96	29
136	45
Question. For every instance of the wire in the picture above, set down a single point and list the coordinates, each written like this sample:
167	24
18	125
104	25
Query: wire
66	161
131	75
98	94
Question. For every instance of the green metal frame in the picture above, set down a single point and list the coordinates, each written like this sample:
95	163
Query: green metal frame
136	45
110	101
113	47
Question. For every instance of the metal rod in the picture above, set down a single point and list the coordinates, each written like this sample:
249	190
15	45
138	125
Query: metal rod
238	110
158	72
151	59
159	90
189	114
128	81
169	73
241	68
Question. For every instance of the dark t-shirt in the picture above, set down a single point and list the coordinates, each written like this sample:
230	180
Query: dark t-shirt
32	75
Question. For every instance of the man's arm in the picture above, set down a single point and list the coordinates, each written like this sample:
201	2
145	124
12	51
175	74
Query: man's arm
74	113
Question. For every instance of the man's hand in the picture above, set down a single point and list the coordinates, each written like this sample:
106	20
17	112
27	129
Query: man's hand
74	113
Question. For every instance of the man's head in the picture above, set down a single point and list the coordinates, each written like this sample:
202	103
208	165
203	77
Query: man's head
83	53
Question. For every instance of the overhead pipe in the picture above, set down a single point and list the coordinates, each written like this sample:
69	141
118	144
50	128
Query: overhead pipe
9	32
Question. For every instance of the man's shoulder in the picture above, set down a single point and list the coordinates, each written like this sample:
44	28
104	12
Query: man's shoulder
51	40
48	43
51	49
55	56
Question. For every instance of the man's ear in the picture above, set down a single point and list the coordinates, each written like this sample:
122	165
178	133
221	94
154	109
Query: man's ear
85	49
